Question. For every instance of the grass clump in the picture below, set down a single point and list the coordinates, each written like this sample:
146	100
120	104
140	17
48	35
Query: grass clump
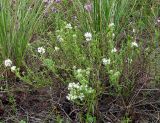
18	22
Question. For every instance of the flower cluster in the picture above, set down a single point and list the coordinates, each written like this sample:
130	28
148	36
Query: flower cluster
111	25
88	36
41	50
56	48
106	61
78	92
134	30
134	44
9	63
111	33
13	68
59	38
114	50
68	26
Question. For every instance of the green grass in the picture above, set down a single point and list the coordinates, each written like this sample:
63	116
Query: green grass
18	22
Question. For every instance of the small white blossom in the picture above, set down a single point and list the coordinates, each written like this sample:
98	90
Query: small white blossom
8	63
88	36
68	26
70	86
41	50
113	50
79	70
113	35
106	61
134	30
78	91
111	25
158	20
73	85
56	48
68	97
13	68
71	97
81	96
59	38
134	44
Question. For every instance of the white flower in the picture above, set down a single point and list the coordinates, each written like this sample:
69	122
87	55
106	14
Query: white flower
88	36
72	96
158	20
68	26
111	25
70	86
77	86
41	50
56	48
134	44
13	68
77	91
106	61
134	30
8	63
113	35
113	50
68	97
81	96
73	86
59	38
79	70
